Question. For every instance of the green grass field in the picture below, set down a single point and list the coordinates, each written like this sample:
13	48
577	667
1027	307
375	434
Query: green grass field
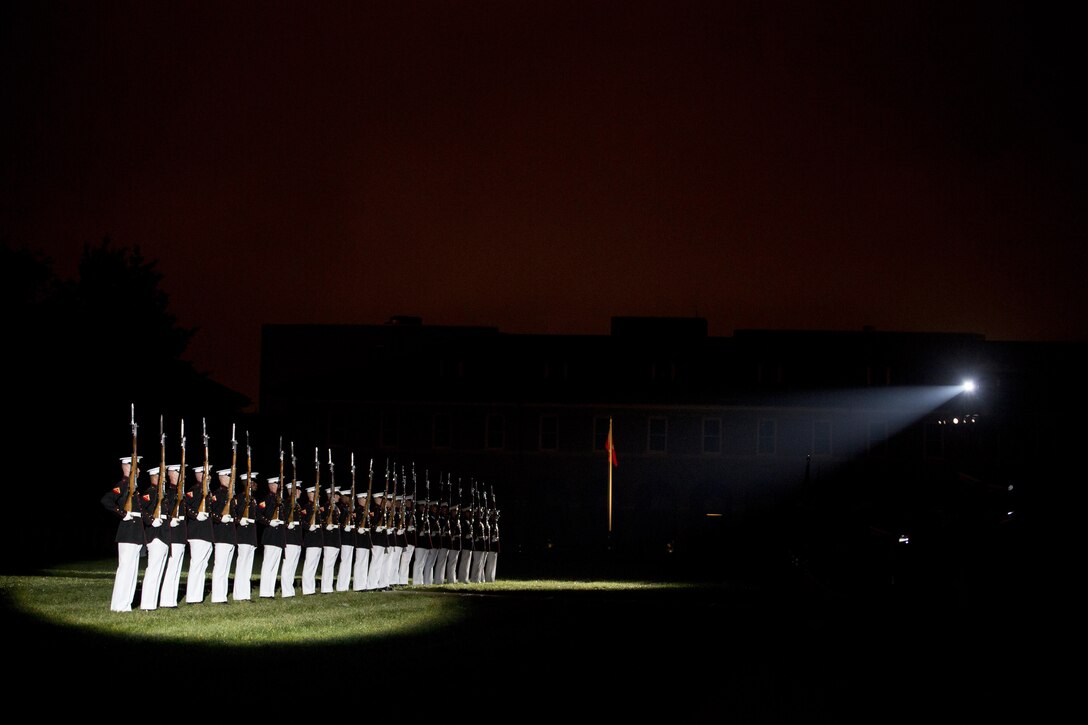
76	596
720	650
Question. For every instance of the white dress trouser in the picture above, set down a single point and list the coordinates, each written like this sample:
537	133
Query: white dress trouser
405	561
171	581
243	571
291	554
463	565
451	565
328	568
478	567
359	575
377	565
417	565
343	574
124	581
200	552
157	551
309	569
491	562
440	565
224	555
392	562
270	567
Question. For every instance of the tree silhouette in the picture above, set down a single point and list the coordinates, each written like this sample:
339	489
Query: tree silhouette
80	352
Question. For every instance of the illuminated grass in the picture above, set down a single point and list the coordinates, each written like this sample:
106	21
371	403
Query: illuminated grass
77	595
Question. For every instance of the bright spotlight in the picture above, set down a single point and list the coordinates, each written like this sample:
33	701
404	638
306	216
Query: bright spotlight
968	386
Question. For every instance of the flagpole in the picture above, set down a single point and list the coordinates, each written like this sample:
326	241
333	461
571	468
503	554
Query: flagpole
610	444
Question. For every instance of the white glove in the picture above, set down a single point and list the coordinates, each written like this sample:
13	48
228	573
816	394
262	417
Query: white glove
276	522
241	522
227	519
174	523
400	532
202	516
349	528
128	517
314	527
156	523
292	525
330	527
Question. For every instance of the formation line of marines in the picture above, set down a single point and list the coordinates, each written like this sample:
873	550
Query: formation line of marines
361	540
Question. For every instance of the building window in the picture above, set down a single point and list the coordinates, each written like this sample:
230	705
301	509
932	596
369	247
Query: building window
496	432
389	429
934	440
658	437
600	433
441	430
821	437
549	433
765	445
712	435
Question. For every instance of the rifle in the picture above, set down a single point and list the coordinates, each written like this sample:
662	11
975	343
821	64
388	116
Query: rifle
132	472
495	516
317	488
249	478
279	498
412	520
294	487
176	510
369	491
207	471
332	490
161	491
351	504
456	517
385	495
225	511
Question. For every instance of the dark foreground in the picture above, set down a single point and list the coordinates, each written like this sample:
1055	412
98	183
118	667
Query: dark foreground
734	652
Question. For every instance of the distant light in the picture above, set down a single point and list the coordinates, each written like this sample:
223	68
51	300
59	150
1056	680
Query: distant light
904	539
956	421
1010	513
713	515
968	386
1010	486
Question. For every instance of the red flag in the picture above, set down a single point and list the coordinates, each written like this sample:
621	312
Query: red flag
611	448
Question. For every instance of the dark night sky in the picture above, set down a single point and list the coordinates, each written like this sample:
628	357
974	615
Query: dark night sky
542	166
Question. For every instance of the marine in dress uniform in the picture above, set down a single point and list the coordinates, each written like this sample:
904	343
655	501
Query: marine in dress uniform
408	537
176	537
129	538
246	540
347	541
331	543
155	537
479	547
395	546
422	531
273	538
223	509
442	529
361	566
464	563
378	540
454	557
312	540
491	560
292	551
201	540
